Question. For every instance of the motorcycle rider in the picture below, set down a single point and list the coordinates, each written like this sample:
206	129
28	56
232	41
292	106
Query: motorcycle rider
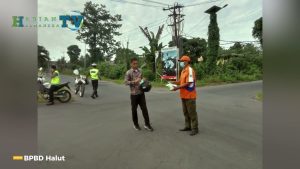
55	81
94	74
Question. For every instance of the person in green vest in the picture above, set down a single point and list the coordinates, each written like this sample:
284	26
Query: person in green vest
55	81
94	74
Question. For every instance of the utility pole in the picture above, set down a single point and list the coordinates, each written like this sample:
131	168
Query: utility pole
177	19
84	56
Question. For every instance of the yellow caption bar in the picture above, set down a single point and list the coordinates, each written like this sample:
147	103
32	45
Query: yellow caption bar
17	158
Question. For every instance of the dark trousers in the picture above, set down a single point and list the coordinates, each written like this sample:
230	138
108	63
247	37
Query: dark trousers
139	100
190	114
51	91
95	87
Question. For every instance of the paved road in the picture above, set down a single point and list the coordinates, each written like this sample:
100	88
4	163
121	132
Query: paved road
98	134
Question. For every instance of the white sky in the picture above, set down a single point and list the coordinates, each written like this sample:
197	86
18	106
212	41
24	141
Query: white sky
235	21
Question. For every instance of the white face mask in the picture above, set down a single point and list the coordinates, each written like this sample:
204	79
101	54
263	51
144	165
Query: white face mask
181	64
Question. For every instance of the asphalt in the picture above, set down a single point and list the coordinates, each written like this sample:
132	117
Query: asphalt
98	134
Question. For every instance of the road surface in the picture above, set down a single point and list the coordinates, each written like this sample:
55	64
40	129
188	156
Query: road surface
98	134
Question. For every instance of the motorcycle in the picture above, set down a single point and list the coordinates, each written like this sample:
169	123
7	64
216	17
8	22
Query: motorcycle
62	94
80	82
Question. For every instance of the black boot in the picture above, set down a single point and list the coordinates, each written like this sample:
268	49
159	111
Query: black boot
194	132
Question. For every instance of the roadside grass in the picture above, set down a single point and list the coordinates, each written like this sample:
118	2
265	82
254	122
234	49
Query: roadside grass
209	81
259	96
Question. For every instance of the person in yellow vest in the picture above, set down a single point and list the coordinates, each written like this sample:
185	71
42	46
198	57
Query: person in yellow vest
55	81
187	87
94	74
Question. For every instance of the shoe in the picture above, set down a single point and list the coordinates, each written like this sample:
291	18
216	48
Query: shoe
50	103
185	129
137	127
93	97
193	132
148	127
96	95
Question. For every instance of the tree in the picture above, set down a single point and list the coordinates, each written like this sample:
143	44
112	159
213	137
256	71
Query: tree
194	47
43	56
61	63
257	31
154	44
123	56
73	52
98	31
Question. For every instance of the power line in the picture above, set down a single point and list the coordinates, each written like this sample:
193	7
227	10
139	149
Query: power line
155	2
201	3
136	3
147	25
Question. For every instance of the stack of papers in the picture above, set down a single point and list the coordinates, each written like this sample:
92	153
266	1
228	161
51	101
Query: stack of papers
171	86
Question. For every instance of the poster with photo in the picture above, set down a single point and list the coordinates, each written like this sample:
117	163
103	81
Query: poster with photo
169	63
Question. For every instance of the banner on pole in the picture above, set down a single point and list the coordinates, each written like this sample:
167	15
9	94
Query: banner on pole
170	63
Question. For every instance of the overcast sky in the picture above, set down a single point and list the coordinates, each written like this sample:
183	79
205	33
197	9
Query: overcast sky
235	21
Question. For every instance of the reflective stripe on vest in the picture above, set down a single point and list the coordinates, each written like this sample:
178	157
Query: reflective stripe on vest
94	74
55	80
191	79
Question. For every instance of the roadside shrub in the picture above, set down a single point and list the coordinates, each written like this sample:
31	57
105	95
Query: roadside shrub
148	74
199	70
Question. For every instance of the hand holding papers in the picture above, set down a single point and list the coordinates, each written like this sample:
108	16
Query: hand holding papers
171	86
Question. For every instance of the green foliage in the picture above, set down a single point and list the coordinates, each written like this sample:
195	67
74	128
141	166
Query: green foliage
154	47
199	70
99	30
43	56
194	47
148	74
73	52
213	44
257	30
112	71
123	56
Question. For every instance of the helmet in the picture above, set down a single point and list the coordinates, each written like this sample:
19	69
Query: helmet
94	64
145	85
41	69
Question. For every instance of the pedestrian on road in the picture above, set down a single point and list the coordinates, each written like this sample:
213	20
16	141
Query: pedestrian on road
187	86
132	78
94	74
55	81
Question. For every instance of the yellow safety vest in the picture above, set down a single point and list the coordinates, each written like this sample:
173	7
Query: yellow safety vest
94	74
55	80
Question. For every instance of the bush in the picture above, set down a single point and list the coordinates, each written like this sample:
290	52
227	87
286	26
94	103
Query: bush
148	74
199	70
111	71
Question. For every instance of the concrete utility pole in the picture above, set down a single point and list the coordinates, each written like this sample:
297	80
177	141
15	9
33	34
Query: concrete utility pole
177	19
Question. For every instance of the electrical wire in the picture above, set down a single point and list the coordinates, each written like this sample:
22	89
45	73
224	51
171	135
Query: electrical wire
155	2
136	3
147	24
201	3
